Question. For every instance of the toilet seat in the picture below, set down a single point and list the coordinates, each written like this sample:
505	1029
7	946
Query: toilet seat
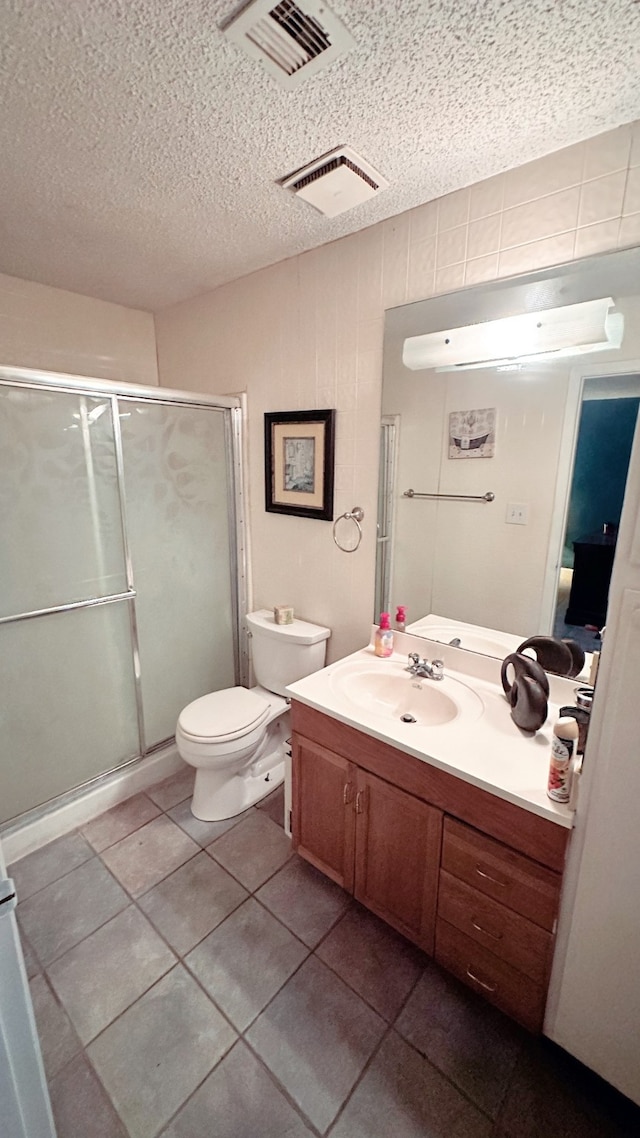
223	716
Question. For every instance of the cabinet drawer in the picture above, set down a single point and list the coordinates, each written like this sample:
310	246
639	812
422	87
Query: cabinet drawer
491	977
501	873
510	936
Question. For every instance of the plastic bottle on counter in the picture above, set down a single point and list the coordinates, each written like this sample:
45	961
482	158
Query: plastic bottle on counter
383	643
563	749
401	618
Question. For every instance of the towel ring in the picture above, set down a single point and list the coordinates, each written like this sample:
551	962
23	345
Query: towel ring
355	515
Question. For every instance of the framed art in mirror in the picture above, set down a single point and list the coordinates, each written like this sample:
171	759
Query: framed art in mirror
298	463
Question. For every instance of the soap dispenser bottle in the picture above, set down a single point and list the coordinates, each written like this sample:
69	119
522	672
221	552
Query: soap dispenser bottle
401	618
383	640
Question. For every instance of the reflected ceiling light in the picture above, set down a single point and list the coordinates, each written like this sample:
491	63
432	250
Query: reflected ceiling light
575	329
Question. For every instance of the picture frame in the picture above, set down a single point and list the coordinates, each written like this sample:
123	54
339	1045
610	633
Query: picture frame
299	463
472	433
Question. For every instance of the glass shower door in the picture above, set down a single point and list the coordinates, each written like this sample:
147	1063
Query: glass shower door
176	474
67	694
118	579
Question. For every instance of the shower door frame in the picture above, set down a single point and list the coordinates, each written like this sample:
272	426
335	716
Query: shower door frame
234	433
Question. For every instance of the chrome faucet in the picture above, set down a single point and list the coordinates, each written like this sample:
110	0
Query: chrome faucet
422	668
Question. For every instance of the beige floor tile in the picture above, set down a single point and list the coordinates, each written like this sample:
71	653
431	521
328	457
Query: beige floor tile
253	850
304	899
316	1036
374	960
68	910
58	1041
144	858
155	1055
173	789
192	901
402	1095
472	1043
39	869
245	961
81	1109
244	1102
104	974
121	820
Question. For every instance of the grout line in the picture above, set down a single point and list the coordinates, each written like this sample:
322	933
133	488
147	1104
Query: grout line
170	1120
55	959
282	1089
390	1027
65	873
445	1075
135	829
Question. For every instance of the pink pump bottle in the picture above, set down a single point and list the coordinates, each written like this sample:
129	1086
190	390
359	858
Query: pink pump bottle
383	641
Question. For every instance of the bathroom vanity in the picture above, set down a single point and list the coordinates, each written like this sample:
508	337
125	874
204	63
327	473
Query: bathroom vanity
469	872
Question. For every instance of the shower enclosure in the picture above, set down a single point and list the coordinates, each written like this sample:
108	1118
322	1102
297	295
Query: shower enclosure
120	585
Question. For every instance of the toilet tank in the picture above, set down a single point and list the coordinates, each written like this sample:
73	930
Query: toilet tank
284	653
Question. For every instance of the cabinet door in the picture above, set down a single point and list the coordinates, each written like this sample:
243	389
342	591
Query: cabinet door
323	810
398	841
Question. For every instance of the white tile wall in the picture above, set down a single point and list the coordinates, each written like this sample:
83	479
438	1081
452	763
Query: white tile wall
56	330
311	328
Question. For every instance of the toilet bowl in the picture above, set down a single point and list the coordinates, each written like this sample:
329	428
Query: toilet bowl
237	738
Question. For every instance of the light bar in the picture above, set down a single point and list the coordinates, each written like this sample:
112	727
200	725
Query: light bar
575	329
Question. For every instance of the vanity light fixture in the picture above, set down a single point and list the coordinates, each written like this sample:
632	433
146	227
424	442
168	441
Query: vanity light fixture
531	337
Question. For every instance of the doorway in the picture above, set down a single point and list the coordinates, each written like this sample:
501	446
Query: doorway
608	415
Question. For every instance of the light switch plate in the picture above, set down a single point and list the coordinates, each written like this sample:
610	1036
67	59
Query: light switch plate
517	513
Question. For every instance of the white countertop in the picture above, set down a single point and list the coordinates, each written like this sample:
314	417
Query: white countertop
482	745
477	638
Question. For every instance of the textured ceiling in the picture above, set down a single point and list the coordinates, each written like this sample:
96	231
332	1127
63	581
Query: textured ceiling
139	149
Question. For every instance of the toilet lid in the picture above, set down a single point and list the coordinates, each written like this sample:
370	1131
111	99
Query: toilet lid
224	714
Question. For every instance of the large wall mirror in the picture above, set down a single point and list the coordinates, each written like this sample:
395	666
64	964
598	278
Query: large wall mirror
526	390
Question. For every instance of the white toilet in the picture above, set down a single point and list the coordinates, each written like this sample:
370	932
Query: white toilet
236	738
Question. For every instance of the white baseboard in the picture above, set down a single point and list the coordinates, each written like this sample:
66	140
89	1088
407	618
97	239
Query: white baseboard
34	832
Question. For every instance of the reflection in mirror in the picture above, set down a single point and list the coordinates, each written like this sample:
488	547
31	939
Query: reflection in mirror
541	416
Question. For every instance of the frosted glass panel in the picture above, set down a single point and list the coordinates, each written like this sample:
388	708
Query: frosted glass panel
59	504
67	703
177	517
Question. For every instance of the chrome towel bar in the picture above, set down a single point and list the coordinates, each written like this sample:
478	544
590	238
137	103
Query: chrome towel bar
488	497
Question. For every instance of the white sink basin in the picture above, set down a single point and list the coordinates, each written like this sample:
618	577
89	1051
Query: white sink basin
472	641
387	690
473	637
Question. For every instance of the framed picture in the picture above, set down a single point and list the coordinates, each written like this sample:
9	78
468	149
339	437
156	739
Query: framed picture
472	434
298	463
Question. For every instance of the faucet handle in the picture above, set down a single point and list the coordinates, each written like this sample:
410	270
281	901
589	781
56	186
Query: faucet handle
437	669
414	659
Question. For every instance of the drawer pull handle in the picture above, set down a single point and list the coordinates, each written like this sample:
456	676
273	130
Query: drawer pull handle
347	793
488	877
477	980
359	797
494	936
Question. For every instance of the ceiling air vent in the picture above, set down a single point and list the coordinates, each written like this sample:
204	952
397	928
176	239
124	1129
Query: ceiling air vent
291	40
336	181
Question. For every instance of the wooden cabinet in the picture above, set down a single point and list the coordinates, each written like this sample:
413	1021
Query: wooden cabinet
372	838
445	863
397	855
493	868
496	914
323	810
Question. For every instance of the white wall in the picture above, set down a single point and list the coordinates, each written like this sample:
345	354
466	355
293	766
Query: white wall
594	999
307	333
56	330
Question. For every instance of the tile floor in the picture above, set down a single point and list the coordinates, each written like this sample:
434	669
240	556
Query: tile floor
197	980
